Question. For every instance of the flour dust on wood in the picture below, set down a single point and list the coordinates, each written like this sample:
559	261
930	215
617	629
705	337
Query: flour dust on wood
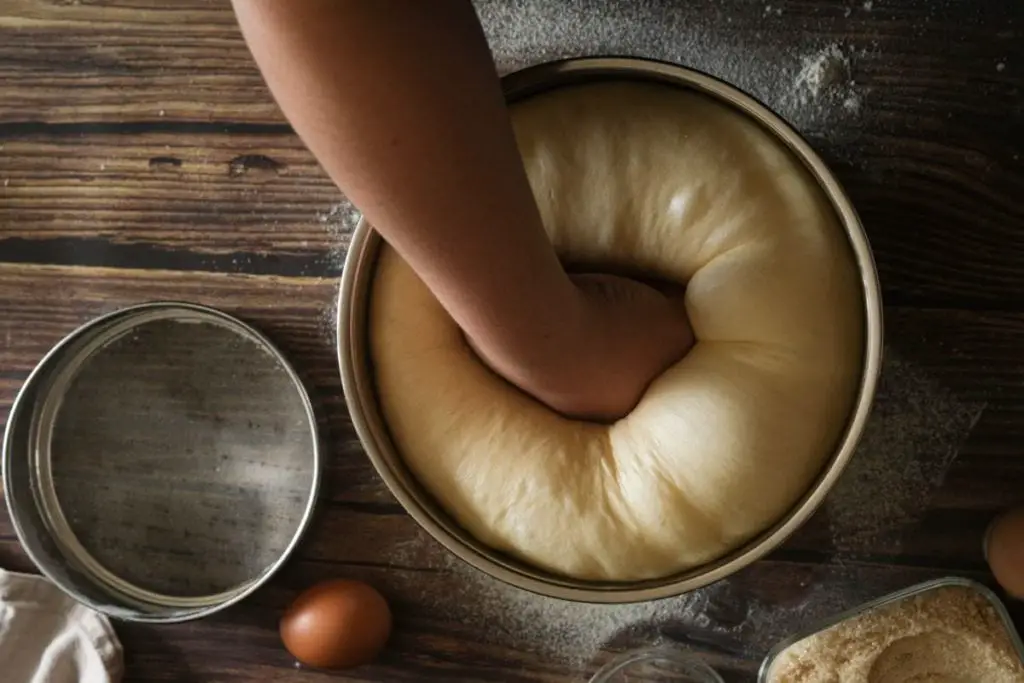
340	221
809	84
910	441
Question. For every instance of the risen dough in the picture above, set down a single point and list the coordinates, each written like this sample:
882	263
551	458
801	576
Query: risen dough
723	443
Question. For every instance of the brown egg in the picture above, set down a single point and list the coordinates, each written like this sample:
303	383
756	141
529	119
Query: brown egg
1005	551
336	624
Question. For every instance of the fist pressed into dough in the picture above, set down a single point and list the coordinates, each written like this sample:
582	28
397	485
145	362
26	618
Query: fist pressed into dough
667	181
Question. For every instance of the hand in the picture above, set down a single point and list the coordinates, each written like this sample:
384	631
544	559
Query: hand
434	166
622	336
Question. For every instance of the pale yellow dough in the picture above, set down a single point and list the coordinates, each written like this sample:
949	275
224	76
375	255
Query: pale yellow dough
724	442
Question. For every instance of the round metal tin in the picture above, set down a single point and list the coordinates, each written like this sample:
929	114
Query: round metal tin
358	380
161	462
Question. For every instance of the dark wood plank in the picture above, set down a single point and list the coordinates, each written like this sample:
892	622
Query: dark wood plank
225	203
137	60
205	191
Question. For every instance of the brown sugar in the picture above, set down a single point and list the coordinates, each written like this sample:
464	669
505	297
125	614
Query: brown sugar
951	634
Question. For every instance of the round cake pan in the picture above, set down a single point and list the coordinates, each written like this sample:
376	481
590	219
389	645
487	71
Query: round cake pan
357	375
161	462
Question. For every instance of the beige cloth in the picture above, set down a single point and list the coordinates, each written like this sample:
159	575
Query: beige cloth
46	637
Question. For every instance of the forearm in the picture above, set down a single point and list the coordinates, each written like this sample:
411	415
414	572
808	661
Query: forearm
400	103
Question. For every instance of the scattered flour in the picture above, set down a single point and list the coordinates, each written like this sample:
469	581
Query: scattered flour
532	31
822	71
327	322
569	633
744	615
824	77
910	442
340	221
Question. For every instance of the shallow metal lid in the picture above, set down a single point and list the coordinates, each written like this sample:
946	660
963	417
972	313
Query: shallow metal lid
172	456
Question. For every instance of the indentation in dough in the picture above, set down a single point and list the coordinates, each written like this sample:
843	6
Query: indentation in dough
662	182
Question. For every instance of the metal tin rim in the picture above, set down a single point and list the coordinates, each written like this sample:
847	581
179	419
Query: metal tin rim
358	383
57	369
891	598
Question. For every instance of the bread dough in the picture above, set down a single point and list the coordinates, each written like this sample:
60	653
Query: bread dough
673	183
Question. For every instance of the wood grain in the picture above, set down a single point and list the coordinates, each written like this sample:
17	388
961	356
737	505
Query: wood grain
141	60
141	158
207	201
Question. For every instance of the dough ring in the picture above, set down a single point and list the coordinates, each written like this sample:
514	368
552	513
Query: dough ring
666	181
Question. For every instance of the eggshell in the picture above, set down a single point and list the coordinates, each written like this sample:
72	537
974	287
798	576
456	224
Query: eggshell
336	624
1005	551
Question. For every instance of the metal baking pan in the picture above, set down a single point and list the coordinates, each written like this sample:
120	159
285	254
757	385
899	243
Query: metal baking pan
161	462
357	376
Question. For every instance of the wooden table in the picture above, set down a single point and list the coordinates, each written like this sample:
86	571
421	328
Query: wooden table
141	158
